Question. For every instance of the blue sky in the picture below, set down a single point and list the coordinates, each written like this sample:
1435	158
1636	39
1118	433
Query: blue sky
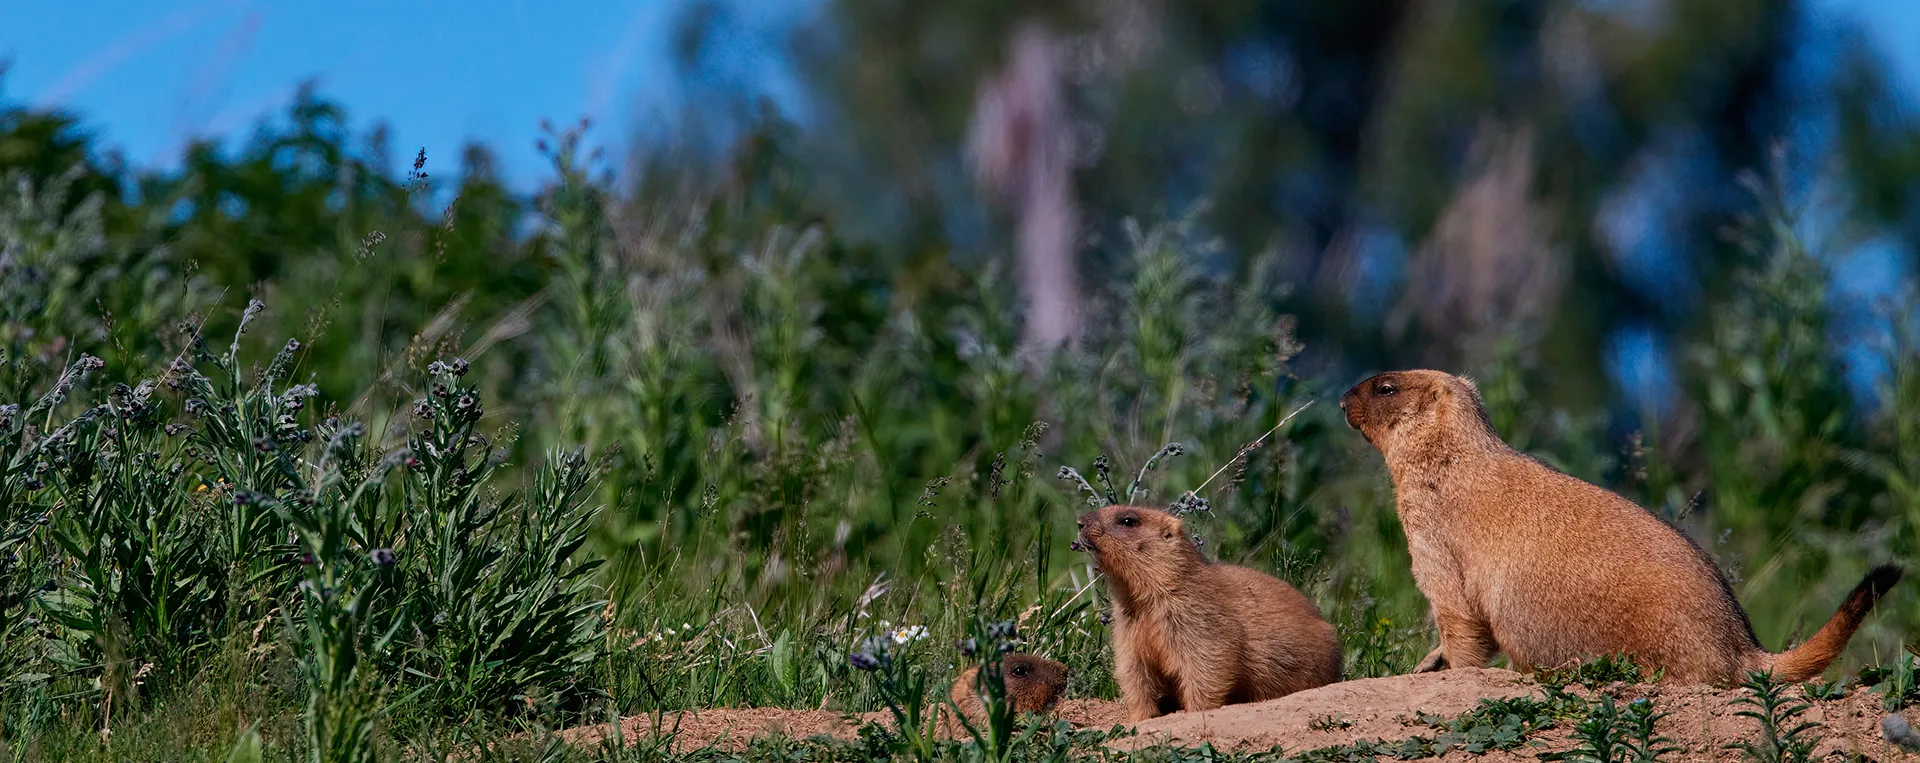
149	75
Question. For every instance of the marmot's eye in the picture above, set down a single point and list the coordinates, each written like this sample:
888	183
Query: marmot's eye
1385	388
1128	521
1019	670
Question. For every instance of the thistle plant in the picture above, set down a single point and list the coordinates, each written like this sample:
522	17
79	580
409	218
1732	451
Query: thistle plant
336	627
29	591
1106	495
496	600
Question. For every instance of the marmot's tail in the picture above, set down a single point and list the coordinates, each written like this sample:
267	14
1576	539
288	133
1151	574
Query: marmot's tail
1809	660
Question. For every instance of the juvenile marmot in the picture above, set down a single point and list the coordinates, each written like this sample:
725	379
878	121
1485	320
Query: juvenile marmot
1517	557
1189	634
1034	684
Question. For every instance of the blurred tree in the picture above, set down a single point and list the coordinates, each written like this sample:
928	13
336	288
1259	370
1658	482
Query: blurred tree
297	216
1021	144
1344	133
43	145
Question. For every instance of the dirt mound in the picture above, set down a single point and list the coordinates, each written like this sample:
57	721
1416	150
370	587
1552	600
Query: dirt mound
732	728
1092	713
1336	714
1701	721
724	727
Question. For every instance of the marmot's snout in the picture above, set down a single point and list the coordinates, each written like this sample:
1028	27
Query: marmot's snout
1372	401
1354	404
1089	526
1347	409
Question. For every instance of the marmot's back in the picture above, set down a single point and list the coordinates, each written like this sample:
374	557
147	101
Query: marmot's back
1601	575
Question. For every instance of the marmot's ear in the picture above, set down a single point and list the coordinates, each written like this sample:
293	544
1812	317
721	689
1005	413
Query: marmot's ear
1172	527
1471	385
1470	389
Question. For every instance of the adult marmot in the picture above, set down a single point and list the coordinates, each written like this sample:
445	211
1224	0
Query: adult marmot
1034	684
1517	557
1189	634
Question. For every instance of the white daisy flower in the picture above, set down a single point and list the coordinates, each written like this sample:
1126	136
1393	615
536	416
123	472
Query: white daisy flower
910	633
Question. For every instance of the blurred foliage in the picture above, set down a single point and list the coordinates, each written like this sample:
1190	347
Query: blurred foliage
1330	130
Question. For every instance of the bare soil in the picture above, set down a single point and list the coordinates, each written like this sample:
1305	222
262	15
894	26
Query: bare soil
1701	720
732	728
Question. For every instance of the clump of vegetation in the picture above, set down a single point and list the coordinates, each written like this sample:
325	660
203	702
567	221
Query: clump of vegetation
1598	672
1493	724
196	506
1610	733
1783	736
1898	684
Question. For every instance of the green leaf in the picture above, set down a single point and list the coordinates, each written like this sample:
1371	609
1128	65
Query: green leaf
247	749
781	658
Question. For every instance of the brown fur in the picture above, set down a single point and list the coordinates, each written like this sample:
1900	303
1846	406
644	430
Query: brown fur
1034	684
1517	557
1189	634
